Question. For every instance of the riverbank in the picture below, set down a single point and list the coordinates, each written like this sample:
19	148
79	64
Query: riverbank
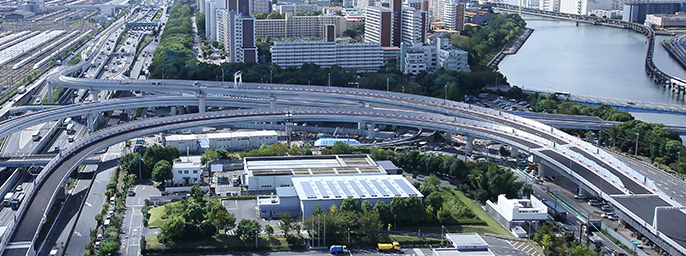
512	49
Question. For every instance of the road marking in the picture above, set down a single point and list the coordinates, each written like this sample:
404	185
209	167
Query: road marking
418	252
88	204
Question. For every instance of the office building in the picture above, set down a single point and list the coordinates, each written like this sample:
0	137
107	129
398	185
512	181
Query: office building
584	7
666	20
379	26
418	57
509	212
186	173
637	12
231	141
607	14
478	17
311	192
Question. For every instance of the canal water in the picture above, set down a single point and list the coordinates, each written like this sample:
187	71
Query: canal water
592	60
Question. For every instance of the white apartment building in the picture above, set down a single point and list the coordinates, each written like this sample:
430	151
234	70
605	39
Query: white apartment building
584	7
260	6
414	25
507	211
365	57
295	8
549	5
300	26
379	26
186	173
241	44
417	57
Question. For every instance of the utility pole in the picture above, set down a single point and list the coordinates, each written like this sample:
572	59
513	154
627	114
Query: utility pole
387	85
329	80
445	93
636	150
222	77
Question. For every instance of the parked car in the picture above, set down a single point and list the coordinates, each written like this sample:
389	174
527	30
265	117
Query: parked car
594	202
580	197
606	208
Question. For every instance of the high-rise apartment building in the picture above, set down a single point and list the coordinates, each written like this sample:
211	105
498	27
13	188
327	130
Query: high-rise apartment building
453	15
260	6
378	26
231	23
414	25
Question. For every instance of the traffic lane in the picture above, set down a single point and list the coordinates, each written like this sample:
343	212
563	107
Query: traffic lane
68	211
629	184
523	142
667	221
583	172
676	185
519	126
86	221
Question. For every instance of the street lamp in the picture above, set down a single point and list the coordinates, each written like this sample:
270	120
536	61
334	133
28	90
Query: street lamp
442	228
636	150
348	236
445	93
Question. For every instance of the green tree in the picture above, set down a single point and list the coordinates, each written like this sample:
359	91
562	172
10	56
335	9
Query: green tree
197	193
172	230
207	229
431	184
162	171
350	205
194	213
286	223
370	225
367	206
503	151
248	229
109	248
223	219
269	230
340	148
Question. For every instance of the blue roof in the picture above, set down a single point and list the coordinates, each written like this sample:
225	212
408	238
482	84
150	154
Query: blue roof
331	141
286	191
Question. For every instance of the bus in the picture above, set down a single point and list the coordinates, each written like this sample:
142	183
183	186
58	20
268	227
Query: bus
21	89
16	202
36	136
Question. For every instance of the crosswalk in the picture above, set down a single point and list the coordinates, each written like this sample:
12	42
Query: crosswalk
525	247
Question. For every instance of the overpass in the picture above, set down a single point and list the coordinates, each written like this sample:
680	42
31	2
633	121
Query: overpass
142	25
675	84
37	161
580	122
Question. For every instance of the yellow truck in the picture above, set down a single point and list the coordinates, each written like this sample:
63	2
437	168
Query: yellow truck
385	247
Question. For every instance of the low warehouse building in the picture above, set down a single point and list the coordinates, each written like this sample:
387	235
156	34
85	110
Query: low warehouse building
230	141
264	174
325	191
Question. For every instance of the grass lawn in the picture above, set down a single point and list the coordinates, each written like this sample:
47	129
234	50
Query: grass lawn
493	225
221	242
156	216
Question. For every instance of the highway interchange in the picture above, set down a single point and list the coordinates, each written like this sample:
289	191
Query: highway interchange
629	190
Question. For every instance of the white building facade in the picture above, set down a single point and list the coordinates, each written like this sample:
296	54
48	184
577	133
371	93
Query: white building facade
365	57
186	173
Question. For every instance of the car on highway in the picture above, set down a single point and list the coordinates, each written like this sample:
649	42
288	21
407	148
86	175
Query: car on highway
580	197
594	202
19	188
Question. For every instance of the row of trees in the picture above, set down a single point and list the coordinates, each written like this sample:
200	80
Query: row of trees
156	163
483	181
552	104
173	57
194	219
482	42
565	245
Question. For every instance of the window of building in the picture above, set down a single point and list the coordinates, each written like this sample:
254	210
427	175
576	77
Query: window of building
185	171
180	172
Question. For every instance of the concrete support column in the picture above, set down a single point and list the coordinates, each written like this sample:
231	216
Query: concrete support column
91	124
361	125
514	151
173	110
582	192
448	137
469	144
201	106
370	131
543	170
95	95
272	102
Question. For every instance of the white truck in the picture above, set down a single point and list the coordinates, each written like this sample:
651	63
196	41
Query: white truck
8	199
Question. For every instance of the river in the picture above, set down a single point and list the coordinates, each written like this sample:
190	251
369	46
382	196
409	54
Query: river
592	60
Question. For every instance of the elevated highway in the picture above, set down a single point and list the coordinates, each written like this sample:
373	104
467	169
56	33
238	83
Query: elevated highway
594	170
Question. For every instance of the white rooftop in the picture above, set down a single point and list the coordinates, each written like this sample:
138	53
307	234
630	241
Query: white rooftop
353	186
467	241
312	165
223	135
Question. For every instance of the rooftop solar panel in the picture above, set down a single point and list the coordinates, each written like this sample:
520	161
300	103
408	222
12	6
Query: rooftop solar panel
408	190
307	188
322	189
389	186
356	188
379	188
366	186
345	189
333	189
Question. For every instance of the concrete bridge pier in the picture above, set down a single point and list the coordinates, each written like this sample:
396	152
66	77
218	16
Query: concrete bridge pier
469	144
91	122
272	102
172	110
201	106
361	125
95	95
370	131
448	137
514	151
